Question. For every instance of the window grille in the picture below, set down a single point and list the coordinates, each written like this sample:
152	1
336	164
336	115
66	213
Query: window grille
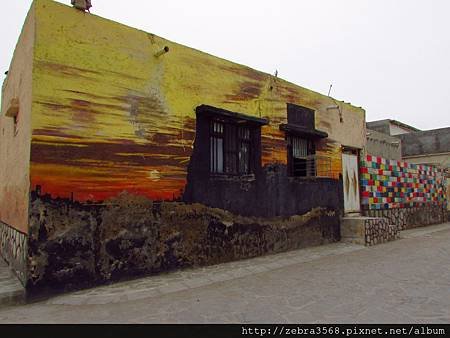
301	163
230	147
299	147
216	146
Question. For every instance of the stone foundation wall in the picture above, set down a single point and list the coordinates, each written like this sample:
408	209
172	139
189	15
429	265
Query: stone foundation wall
405	218
13	249
73	245
378	230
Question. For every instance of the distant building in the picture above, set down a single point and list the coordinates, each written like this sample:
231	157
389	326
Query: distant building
382	138
429	147
391	127
383	145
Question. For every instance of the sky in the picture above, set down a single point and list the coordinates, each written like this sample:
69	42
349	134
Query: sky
391	57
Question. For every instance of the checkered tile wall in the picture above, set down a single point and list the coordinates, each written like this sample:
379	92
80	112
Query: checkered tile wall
388	184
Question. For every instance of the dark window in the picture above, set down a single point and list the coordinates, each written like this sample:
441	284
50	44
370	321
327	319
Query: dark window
230	147
301	159
300	116
216	147
226	142
244	150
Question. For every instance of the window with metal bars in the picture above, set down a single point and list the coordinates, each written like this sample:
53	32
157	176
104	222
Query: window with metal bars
230	147
216	147
301	161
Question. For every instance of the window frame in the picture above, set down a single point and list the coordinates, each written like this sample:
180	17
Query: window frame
246	141
293	161
235	137
216	133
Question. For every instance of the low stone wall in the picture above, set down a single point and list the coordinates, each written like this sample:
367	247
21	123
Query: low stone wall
13	249
405	218
73	245
378	230
368	230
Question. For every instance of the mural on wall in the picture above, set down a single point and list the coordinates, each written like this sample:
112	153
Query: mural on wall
109	116
113	128
388	184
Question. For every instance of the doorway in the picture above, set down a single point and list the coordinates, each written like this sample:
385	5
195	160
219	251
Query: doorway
350	180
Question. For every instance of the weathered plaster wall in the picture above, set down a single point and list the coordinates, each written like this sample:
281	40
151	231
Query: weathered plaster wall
108	116
397	130
383	145
15	147
74	245
435	141
391	127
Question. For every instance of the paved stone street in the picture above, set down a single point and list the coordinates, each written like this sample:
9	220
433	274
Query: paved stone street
406	281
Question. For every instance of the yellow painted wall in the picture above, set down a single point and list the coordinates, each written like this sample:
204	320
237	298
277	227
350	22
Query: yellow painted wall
108	116
15	147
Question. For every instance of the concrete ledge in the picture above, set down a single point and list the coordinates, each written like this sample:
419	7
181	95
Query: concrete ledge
353	230
11	290
367	230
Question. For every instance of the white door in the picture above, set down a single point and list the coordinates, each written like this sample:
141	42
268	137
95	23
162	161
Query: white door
351	182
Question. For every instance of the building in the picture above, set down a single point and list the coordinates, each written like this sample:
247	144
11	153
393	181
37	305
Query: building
383	140
391	127
125	153
430	147
391	139
383	145
398	192
395	140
